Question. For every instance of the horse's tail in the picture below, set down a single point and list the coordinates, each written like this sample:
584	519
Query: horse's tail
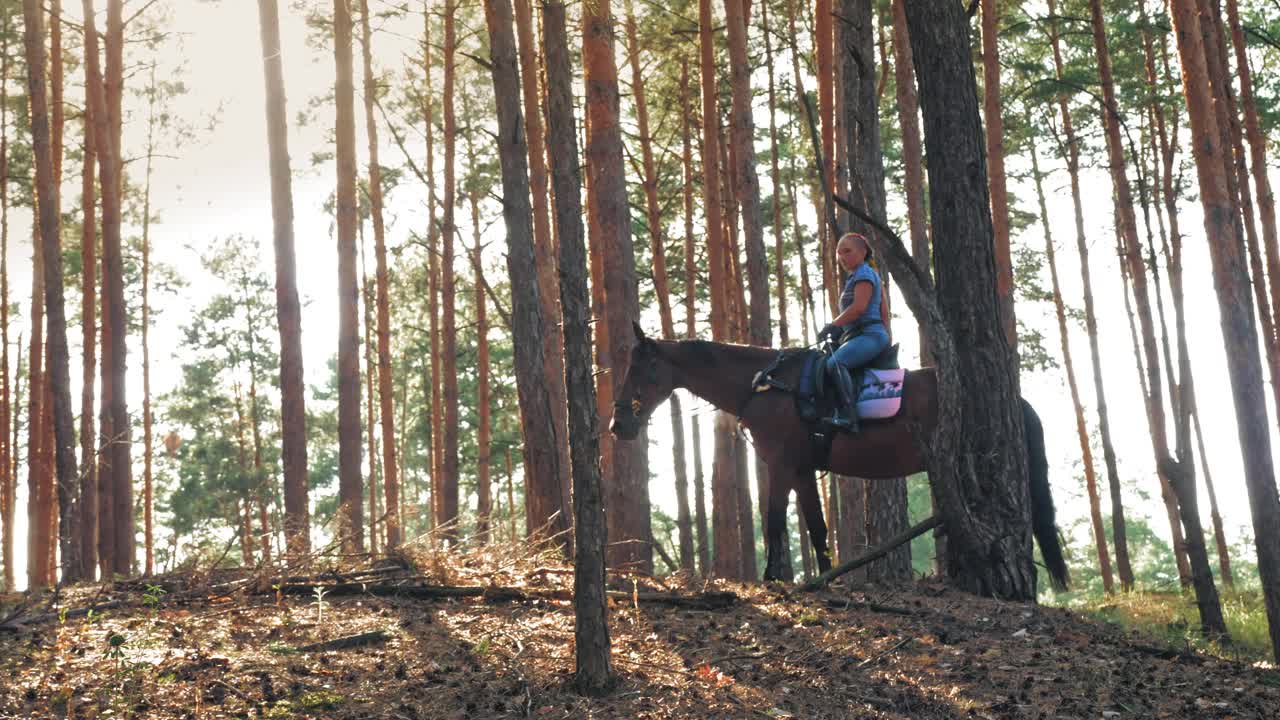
1042	513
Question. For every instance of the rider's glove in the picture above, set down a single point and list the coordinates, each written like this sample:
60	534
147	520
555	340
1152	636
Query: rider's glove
830	331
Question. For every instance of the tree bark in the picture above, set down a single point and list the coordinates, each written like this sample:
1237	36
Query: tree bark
1257	154
775	179
1072	152
995	166
386	383
293	414
1230	281
148	519
435	511
1219	536
1082	430
628	491
448	231
484	501
350	481
594	673
984	497
370	429
544	249
8	449
38	540
541	457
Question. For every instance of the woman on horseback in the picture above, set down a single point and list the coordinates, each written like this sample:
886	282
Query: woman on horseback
859	328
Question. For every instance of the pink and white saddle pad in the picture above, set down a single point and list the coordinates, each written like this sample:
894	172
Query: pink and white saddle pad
880	396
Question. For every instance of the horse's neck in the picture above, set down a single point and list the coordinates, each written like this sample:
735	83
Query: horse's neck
721	376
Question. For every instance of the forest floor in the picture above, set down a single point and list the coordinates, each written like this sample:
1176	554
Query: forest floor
236	645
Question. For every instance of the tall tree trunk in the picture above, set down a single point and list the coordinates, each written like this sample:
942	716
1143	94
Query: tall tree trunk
1230	275
448	231
545	253
990	542
433	270
293	414
147	447
541	456
591	631
366	305
628	491
1072	152
699	530
1257	154
38	540
386	384
991	114
775	179
484	508
89	325
1082	430
244	507
350	482
8	449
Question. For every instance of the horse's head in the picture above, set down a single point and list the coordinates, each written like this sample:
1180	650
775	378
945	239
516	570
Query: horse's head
648	382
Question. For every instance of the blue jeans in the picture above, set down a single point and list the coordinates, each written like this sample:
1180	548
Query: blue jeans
861	350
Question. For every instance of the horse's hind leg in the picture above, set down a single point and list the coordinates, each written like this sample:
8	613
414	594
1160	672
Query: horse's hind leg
811	506
780	483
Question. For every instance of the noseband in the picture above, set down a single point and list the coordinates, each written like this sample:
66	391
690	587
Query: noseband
634	405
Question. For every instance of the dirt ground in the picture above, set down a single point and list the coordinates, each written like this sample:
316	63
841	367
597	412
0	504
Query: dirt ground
922	652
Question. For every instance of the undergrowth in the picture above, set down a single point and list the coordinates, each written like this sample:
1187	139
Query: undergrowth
1172	618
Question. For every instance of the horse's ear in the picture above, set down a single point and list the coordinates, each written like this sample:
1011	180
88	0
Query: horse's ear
640	338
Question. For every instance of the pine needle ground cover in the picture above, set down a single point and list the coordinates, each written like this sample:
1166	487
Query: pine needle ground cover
236	645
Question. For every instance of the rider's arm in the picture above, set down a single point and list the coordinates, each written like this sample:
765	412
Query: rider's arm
862	290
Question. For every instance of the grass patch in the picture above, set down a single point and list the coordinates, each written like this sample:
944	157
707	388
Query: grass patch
320	700
1172	618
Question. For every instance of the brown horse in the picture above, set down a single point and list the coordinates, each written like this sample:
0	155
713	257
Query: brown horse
723	374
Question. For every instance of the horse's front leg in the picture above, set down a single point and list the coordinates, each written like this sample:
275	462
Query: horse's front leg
811	506
780	483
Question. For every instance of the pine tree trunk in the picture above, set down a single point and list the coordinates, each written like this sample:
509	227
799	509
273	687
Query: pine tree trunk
594	673
983	499
1219	536
38	541
544	249
1118	535
433	270
1230	281
994	123
8	449
540	449
1082	430
628	491
484	502
350	480
386	383
293	414
1257	154
448	232
775	179
370	427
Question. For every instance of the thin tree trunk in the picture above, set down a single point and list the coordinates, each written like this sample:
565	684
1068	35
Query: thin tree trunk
1072	152
386	383
293	415
244	511
995	166
37	535
1230	280
775	179
628	491
448	230
1082	430
8	445
433	270
484	502
147	447
366	306
544	250
350	482
1219	536
594	673
540	449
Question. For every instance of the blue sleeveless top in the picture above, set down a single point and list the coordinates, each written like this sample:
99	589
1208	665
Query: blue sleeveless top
872	313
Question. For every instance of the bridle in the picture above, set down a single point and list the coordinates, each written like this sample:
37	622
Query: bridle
649	378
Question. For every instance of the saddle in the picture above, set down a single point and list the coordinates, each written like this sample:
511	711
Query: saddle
879	389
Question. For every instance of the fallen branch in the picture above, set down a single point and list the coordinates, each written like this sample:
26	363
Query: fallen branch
346	643
880	551
844	604
715	600
18	624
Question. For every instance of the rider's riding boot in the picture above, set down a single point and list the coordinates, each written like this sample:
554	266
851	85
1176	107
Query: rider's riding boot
845	416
